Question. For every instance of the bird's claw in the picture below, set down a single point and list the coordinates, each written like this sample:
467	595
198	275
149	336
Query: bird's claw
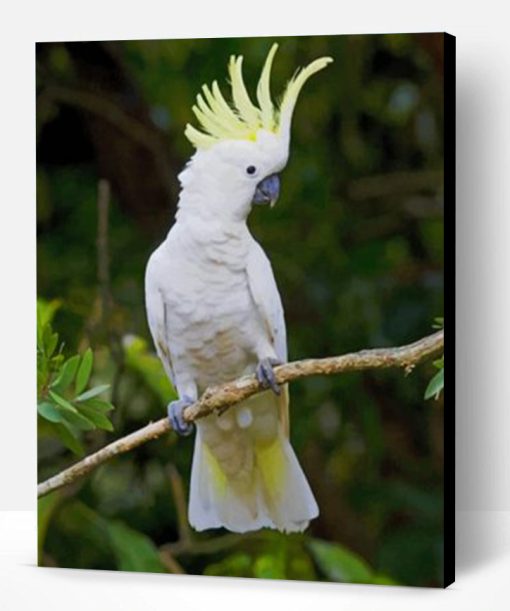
265	374
176	416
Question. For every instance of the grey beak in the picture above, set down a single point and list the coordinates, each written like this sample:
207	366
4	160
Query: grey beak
267	190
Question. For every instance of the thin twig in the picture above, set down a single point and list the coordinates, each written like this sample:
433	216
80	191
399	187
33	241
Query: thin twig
109	111
173	566
198	547
103	253
104	281
219	398
179	495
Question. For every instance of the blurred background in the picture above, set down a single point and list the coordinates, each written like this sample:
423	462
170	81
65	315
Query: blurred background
356	243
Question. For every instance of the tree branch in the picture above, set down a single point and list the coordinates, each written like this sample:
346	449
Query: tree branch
108	110
219	398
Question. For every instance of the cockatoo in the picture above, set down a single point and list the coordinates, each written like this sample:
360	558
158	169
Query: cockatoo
215	313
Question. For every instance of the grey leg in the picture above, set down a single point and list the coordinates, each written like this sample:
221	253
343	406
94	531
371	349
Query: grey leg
265	374
175	415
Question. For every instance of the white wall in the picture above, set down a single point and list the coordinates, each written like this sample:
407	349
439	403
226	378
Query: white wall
483	408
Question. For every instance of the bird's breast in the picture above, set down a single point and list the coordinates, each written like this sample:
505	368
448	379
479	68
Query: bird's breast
213	325
212	321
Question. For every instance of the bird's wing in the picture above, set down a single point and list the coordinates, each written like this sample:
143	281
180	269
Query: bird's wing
269	304
156	315
267	298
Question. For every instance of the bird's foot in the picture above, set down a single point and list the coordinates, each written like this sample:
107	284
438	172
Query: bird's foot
176	416
265	374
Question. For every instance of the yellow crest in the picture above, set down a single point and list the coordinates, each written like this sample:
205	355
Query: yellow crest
243	120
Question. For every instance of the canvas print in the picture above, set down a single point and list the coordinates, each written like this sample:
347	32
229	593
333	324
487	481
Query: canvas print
240	307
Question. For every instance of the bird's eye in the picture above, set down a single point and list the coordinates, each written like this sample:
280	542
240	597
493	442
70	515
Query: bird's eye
251	169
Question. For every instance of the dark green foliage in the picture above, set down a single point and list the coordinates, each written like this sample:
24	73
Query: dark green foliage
133	550
339	564
356	243
62	399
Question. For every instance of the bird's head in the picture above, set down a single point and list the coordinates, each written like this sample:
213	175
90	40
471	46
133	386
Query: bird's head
241	148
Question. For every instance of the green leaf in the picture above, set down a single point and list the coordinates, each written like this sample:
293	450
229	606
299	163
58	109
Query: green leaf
96	416
46	505
84	371
384	580
70	413
99	404
48	411
41	379
50	341
45	313
57	361
439	364
269	566
235	565
67	373
93	392
64	403
148	366
76	420
435	386
340	564
133	550
70	439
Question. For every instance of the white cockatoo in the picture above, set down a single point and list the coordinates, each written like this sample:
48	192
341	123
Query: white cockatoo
215	313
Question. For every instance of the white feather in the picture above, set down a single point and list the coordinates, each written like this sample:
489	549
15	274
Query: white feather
267	298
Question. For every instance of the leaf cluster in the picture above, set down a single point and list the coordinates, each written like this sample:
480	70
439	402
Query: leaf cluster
64	399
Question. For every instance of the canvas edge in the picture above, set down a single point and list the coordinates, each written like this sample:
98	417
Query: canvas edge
449	291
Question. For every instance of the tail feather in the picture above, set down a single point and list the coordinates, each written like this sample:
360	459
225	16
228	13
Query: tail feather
288	498
276	493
